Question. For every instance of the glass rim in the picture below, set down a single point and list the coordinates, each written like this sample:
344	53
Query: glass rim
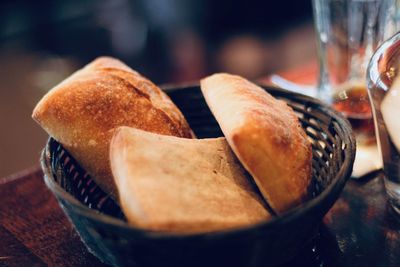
381	58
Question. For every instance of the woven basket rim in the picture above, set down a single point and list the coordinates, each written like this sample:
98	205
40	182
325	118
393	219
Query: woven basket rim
327	197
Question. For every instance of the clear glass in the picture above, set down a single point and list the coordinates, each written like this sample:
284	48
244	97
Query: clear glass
382	72
348	31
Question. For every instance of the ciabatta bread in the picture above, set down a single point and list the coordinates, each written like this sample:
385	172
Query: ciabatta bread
182	185
83	111
265	135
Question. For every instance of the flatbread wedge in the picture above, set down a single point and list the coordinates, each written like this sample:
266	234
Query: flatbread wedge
182	185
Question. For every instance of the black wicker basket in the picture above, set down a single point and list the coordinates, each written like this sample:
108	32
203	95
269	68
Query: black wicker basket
101	225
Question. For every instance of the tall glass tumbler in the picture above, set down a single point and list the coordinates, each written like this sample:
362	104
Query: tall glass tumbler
348	32
384	90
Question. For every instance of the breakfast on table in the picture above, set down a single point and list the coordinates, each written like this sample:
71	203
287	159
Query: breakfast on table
138	147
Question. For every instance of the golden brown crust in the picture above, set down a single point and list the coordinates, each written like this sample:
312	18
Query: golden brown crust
159	99
83	111
161	189
266	136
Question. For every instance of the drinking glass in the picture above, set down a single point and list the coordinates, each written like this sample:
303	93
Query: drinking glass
384	91
348	32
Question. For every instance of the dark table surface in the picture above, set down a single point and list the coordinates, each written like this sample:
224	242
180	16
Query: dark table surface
360	230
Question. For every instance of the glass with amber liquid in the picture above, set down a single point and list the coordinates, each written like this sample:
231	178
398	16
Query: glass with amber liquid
348	32
353	102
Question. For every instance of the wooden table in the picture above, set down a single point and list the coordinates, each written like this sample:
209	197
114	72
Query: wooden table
33	229
360	230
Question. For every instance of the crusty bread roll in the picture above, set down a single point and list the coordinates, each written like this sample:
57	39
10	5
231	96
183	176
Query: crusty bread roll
83	111
174	184
265	135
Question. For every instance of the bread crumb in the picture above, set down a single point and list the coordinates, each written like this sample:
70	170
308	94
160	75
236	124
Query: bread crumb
92	142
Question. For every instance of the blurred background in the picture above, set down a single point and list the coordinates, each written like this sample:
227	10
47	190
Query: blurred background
168	41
